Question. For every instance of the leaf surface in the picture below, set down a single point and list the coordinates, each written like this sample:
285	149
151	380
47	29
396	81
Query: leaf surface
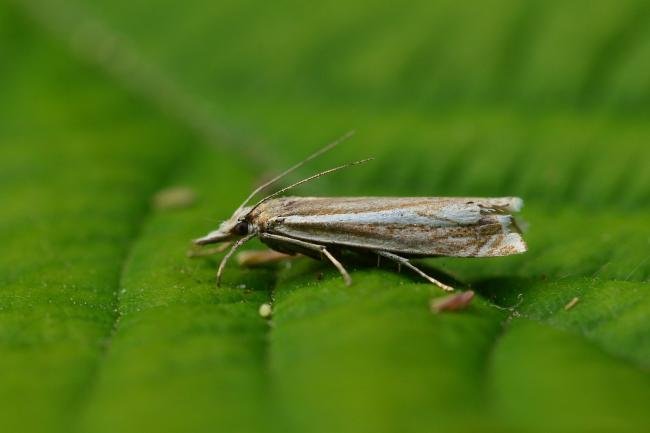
106	325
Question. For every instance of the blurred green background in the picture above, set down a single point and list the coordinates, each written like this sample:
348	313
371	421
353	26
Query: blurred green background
106	325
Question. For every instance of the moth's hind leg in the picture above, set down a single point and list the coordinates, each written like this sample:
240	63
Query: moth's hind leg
313	247
406	262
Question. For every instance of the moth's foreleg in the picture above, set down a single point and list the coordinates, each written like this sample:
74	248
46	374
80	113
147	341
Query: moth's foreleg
314	247
234	248
406	262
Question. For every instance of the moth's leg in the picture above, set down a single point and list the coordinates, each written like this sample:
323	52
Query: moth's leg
314	247
403	261
261	257
234	248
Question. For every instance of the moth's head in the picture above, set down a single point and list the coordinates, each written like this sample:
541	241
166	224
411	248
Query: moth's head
233	228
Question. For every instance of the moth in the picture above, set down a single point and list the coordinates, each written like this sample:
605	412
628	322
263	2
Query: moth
398	229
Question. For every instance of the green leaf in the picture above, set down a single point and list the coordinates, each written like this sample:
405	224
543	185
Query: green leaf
107	326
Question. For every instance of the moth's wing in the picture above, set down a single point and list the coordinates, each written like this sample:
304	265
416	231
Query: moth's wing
460	207
464	227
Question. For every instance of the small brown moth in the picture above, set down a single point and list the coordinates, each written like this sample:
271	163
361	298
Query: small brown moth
395	228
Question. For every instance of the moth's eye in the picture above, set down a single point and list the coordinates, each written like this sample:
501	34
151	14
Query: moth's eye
241	228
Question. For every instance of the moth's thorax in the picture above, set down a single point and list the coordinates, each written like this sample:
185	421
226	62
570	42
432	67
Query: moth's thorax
267	212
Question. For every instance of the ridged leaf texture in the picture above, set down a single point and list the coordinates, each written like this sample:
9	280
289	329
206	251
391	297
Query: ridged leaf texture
106	325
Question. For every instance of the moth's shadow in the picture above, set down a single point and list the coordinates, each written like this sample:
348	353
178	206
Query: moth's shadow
354	261
504	291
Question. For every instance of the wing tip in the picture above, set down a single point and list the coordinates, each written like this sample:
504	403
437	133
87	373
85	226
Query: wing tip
516	204
516	243
499	204
508	245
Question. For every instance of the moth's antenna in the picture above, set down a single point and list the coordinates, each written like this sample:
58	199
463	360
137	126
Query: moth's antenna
315	176
300	164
